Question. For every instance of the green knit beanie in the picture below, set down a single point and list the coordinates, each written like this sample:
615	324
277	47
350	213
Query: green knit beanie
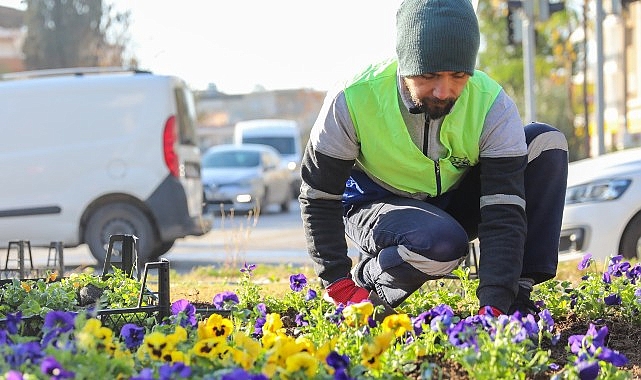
436	35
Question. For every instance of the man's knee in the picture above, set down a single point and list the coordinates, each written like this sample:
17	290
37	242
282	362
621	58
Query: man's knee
541	138
444	243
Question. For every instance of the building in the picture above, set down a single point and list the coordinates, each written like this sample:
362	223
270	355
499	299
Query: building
621	78
219	112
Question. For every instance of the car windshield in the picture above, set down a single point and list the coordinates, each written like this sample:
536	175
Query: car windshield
284	145
232	159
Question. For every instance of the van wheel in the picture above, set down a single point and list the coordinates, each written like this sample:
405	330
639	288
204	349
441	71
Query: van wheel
630	246
119	218
161	250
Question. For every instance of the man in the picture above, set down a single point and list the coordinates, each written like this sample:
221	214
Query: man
415	157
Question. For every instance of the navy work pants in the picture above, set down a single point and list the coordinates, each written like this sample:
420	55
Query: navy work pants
405	242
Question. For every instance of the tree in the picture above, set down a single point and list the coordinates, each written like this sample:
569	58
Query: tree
74	33
554	66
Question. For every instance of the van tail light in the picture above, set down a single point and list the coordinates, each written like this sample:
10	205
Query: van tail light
169	138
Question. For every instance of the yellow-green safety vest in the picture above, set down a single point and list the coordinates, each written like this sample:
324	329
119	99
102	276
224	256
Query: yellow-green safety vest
387	151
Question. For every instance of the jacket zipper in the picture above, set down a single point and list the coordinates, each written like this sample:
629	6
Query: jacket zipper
437	167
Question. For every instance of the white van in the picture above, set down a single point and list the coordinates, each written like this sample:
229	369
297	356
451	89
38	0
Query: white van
90	152
283	135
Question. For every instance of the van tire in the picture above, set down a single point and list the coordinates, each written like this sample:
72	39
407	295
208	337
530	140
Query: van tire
119	218
160	250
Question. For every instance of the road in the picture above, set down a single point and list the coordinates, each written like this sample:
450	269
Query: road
272	237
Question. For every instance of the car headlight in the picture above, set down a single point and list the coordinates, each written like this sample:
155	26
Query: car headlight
603	190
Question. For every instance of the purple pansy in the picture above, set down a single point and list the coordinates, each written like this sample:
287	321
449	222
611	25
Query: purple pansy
56	323
50	366
239	373
13	322
337	361
133	335
588	369
248	268
258	326
188	310
225	300
62	320
311	294
300	320
585	262
22	353
180	370
582	344
145	374
297	282
14	375
612	299
546	321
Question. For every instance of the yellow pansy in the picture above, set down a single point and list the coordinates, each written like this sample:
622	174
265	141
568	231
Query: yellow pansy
247	344
179	335
94	335
326	348
211	348
371	351
305	344
273	323
215	326
302	362
157	346
179	357
243	358
357	314
51	277
397	323
26	286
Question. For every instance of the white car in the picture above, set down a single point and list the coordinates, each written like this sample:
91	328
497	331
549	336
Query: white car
244	177
603	207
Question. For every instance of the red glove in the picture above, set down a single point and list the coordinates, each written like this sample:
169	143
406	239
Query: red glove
345	291
490	310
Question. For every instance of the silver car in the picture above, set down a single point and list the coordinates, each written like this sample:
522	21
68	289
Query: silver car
603	207
243	178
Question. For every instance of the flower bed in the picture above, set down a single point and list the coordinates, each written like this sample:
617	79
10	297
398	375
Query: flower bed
247	335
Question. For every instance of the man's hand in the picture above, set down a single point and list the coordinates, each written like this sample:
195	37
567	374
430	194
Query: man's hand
345	291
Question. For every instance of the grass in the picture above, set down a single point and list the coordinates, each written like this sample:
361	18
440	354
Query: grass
203	283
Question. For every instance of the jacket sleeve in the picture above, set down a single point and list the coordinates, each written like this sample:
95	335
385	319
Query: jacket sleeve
502	229
323	183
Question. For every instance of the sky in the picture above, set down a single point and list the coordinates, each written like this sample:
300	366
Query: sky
241	44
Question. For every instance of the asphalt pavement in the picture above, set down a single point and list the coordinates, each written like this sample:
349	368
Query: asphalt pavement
271	238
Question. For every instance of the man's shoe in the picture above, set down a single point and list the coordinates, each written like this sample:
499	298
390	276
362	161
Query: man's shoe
523	304
379	316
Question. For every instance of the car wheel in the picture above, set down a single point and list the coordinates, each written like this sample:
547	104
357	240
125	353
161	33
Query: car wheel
630	246
119	218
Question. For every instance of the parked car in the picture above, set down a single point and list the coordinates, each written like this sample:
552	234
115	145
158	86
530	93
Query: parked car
282	135
603	207
244	177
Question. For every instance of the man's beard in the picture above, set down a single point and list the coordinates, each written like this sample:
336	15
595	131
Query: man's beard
434	108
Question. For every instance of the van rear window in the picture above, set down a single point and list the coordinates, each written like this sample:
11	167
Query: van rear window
284	145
